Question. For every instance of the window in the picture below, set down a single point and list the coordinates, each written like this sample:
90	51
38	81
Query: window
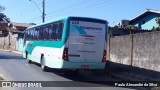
46	32
29	34
50	31
32	34
53	36
60	29
26	35
41	33
56	31
36	34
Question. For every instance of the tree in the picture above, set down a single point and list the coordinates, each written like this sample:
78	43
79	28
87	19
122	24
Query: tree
131	27
2	8
158	21
3	16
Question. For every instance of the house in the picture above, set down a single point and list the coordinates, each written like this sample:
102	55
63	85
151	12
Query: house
11	34
17	30
3	24
146	20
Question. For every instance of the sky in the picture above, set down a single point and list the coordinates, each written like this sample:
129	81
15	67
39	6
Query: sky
25	11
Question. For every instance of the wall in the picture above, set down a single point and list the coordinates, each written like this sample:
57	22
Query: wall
139	50
8	42
146	51
119	49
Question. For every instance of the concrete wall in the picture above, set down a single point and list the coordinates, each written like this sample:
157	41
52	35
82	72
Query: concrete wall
119	49
146	51
8	42
139	50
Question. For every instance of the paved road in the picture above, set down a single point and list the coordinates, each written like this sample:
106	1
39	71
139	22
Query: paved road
14	68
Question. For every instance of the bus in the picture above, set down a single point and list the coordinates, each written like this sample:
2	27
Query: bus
67	43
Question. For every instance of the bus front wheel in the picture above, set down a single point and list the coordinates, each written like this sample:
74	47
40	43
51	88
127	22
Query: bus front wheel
29	61
43	66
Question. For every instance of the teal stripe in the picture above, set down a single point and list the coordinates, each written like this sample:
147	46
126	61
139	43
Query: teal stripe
75	28
32	44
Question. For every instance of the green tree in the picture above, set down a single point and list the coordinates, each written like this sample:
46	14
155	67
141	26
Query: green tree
131	27
2	15
158	21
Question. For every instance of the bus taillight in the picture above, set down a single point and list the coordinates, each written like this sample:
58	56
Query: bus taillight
104	56
65	54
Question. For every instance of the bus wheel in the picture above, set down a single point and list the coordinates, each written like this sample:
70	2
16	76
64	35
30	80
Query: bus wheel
44	68
29	61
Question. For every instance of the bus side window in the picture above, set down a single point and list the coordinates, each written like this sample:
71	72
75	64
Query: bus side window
56	31
29	34
32	34
36	34
50	32
44	33
53	32
41	33
26	35
47	32
39	29
60	29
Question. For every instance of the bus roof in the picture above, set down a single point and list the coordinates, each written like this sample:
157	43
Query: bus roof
65	18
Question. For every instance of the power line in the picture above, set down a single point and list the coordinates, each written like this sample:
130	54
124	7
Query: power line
71	6
81	8
68	7
76	9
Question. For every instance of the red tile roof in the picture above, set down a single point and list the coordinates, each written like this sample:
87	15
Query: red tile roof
22	24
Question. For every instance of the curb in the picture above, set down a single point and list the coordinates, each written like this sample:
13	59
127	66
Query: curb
17	52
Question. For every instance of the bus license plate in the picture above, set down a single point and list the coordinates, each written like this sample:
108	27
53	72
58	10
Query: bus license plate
84	66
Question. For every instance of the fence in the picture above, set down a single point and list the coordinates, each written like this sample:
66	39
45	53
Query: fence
139	50
8	42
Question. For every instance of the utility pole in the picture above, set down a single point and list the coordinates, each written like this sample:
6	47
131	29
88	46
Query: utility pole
43	9
43	13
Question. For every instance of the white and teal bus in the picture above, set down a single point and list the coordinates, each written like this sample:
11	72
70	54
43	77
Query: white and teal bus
68	43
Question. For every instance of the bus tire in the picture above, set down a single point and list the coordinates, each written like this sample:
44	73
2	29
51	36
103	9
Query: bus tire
29	61
43	66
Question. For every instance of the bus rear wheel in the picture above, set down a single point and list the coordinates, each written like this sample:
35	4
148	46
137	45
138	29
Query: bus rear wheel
43	66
